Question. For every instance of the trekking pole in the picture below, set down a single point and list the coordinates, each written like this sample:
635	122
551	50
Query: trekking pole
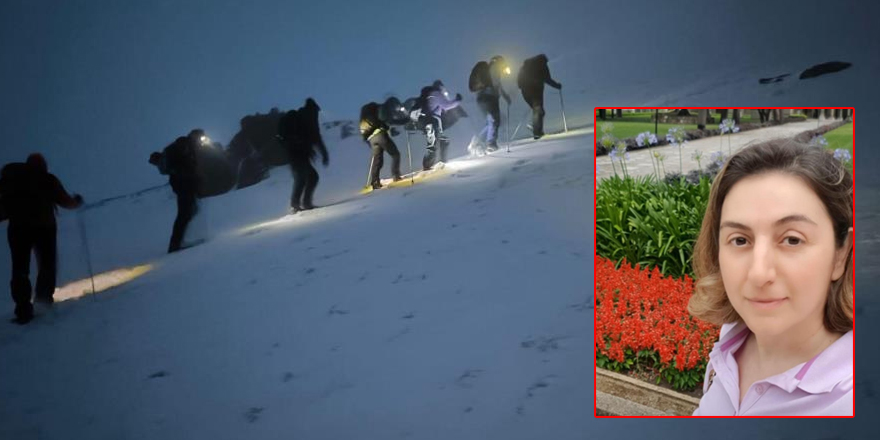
370	171
562	105
526	114
412	178
507	126
85	241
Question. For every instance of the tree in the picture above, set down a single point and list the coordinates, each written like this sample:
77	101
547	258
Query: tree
702	115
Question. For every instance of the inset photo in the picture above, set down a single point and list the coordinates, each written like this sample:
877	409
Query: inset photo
723	274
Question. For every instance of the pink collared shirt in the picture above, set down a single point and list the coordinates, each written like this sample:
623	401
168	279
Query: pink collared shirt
821	387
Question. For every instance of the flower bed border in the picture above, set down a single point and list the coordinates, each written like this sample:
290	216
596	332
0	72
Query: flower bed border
643	393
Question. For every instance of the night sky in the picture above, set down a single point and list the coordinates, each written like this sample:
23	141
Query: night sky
98	85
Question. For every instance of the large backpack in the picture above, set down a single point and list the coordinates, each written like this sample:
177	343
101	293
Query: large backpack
288	127
369	120
393	112
530	72
13	183
480	77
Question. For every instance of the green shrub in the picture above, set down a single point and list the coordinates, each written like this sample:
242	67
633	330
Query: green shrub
650	223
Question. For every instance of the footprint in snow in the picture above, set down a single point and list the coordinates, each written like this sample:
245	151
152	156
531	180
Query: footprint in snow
544	382
253	414
159	374
467	379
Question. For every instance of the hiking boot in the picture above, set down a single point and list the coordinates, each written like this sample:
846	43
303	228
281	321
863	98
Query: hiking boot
491	148
22	319
294	209
23	315
397	178
376	185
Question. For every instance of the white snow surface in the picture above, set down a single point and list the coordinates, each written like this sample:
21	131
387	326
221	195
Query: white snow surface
455	308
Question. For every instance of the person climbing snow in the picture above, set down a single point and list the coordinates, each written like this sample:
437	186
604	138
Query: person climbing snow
433	102
300	131
30	197
532	76
485	82
375	133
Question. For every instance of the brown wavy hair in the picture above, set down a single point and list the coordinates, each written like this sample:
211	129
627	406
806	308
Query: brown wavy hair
831	182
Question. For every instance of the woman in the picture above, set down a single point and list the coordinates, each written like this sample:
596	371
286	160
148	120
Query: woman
774	267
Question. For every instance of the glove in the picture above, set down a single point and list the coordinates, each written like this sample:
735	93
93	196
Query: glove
78	199
394	131
326	161
458	96
560	86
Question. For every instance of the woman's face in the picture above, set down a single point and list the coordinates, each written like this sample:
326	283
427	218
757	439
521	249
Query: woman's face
777	253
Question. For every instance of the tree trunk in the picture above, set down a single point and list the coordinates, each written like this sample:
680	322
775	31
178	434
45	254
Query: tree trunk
602	114
702	115
736	116
620	113
723	113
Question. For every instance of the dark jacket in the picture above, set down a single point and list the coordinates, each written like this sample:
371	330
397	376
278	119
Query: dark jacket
370	123
495	88
300	131
534	73
30	195
181	166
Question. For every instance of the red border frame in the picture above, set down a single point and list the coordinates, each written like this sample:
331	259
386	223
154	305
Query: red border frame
595	248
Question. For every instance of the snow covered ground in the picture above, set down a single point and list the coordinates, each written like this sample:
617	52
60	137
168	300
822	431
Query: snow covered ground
458	308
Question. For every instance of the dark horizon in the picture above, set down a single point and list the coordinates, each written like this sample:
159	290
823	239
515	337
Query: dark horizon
97	87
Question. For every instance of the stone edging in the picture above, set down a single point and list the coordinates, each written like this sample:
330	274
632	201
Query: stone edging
643	394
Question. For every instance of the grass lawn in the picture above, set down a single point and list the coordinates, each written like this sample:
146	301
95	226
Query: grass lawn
840	137
631	124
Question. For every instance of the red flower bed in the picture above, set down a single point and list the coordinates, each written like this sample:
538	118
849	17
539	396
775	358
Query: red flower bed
638	311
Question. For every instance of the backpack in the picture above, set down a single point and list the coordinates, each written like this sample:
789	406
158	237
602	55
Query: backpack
522	76
288	126
369	119
530	72
480	78
13	178
392	112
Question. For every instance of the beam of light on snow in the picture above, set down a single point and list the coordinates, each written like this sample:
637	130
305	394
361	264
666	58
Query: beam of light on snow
103	281
464	165
338	210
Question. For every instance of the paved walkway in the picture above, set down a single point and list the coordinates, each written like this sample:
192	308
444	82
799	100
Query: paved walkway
639	163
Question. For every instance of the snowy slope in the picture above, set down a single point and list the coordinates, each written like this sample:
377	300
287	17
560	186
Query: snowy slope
458	307
454	309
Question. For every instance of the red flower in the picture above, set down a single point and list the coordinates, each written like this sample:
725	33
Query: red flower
639	309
